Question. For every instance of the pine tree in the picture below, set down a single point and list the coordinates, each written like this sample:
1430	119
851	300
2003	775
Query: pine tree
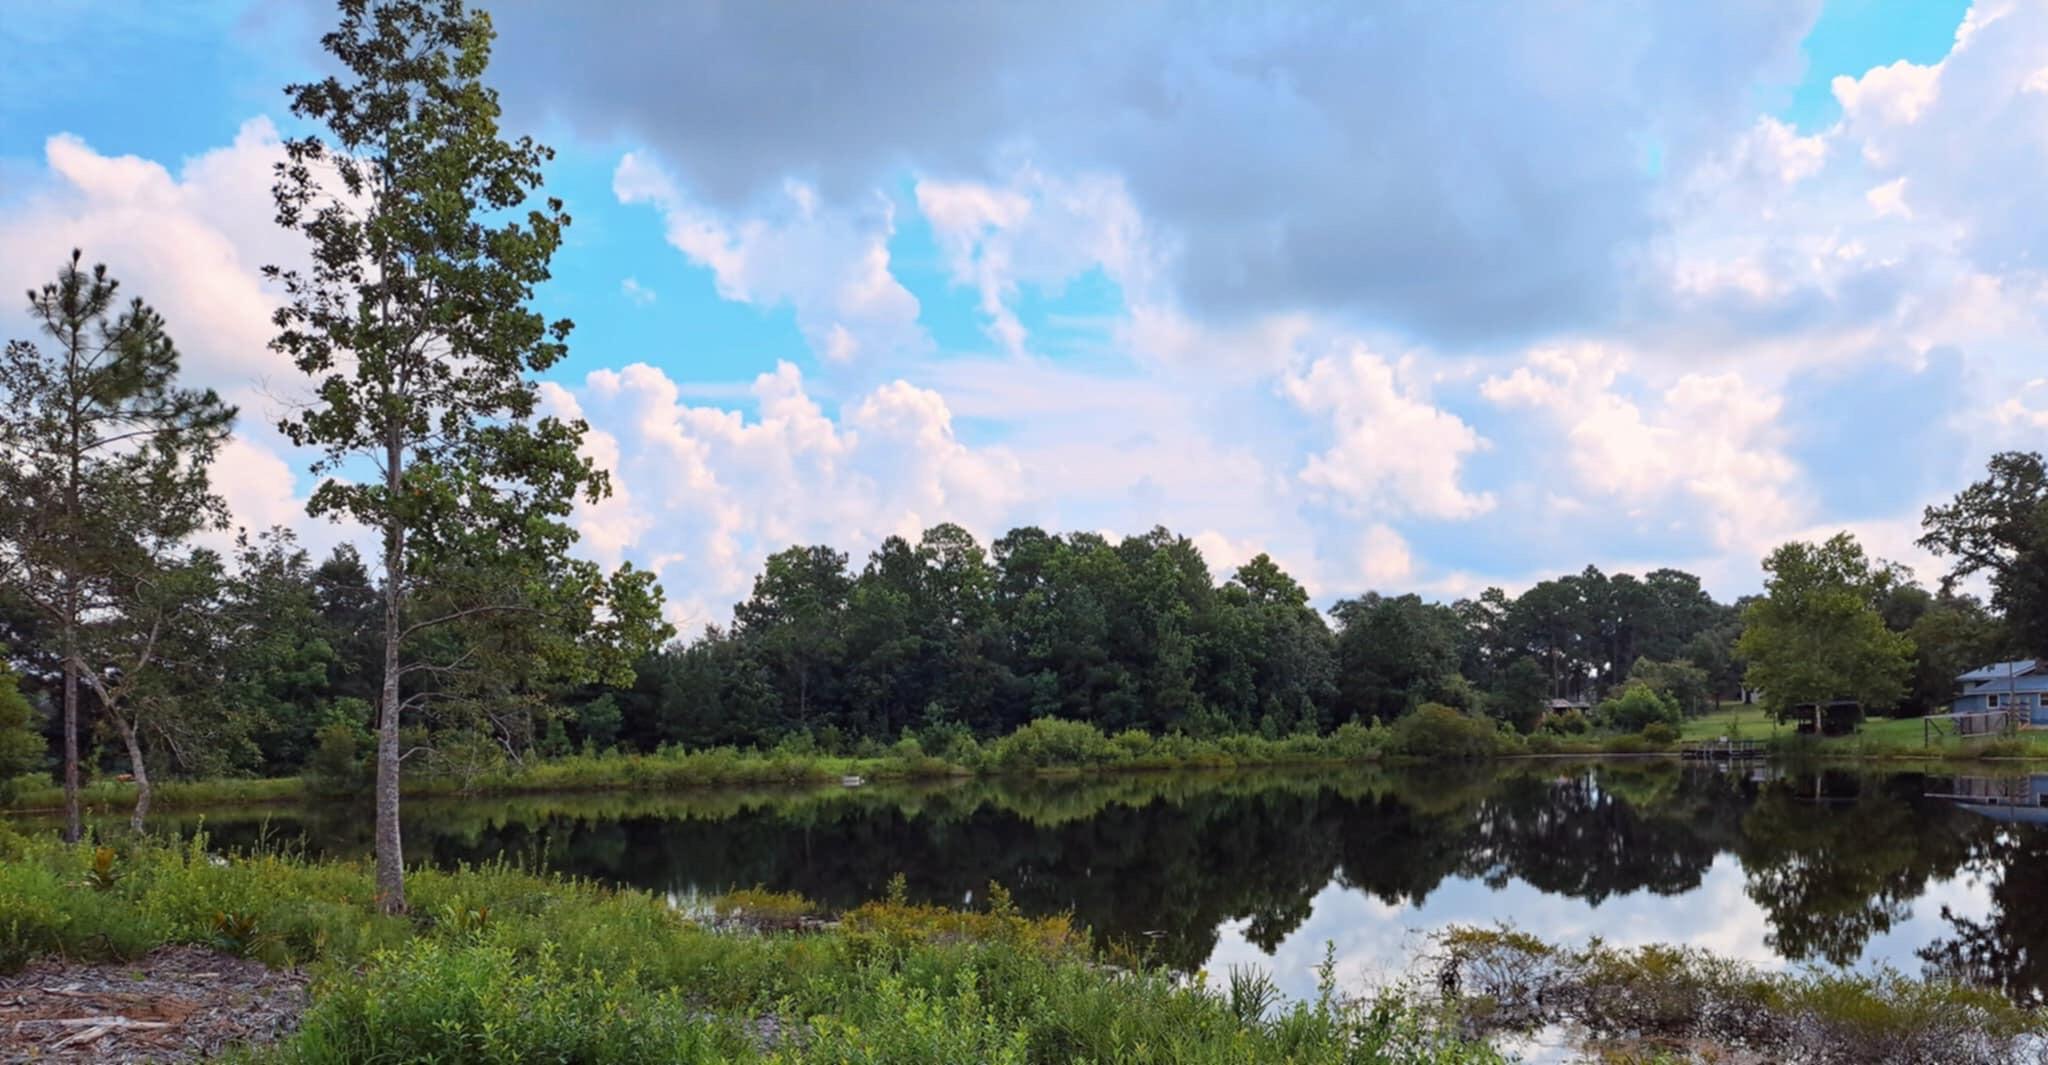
103	475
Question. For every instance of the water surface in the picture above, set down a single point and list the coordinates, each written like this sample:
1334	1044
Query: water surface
1822	868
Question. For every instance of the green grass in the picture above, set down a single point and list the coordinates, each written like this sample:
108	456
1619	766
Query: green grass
1044	747
495	964
1733	720
498	965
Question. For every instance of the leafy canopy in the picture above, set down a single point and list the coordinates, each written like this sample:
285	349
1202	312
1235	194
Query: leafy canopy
1817	636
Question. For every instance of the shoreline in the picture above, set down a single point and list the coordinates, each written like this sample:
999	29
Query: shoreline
631	776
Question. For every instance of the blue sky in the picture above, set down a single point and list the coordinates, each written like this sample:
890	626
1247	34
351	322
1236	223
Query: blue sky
1412	301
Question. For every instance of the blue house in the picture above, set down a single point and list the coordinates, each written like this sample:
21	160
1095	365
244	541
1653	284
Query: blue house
2019	689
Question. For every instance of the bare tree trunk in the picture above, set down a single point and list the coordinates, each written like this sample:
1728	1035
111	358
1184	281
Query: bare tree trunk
141	771
74	818
390	852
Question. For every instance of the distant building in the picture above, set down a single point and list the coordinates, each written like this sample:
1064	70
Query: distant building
2003	695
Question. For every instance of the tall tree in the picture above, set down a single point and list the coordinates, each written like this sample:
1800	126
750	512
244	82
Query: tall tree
413	321
278	663
1998	527
1816	635
102	469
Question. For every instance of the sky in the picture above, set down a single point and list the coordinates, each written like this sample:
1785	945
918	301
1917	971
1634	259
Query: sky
1411	296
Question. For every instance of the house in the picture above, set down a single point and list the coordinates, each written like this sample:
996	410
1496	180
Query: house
2002	695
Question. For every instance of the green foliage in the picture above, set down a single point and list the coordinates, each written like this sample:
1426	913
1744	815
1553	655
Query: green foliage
21	742
1439	732
337	766
1636	708
1685	684
1660	733
413	324
1998	528
1052	743
1816	635
486	1003
564	971
103	476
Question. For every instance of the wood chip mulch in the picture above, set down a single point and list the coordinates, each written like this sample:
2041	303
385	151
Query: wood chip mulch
176	1004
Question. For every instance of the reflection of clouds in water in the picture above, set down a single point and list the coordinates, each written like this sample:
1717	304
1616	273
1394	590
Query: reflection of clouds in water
1377	942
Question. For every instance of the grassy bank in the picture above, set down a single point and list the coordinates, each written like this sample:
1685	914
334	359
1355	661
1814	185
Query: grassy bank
1046	747
621	976
500	965
1051	748
1880	738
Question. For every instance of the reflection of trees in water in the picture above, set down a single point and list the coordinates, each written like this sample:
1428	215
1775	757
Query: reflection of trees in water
1164	861
1835	859
2008	949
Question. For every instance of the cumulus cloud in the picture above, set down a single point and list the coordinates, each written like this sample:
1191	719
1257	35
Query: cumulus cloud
1708	446
1392	452
1035	230
703	494
191	242
830	264
1297	157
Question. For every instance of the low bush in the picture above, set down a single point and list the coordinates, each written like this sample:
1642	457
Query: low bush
1439	732
1051	742
1636	708
1660	733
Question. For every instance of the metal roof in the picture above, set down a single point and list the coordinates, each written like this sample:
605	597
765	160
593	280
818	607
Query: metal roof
2000	671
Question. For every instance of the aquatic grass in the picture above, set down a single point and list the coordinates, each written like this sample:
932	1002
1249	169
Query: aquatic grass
1508	981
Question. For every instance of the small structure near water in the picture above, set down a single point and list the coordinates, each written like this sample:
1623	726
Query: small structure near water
2001	699
1721	750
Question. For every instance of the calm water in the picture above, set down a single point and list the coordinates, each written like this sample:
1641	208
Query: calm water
1783	868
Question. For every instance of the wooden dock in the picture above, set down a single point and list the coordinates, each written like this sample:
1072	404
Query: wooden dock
1723	750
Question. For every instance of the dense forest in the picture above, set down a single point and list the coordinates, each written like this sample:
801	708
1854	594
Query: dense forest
279	659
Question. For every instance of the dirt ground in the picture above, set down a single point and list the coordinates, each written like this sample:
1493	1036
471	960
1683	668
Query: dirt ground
176	1004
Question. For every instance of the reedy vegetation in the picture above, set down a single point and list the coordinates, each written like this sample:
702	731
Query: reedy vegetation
621	976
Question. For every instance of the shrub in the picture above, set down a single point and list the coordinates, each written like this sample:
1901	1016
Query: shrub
1565	723
1051	742
337	766
1439	732
435	1001
1638	706
1661	733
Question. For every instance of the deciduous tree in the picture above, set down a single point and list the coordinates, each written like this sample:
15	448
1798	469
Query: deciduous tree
413	321
1816	635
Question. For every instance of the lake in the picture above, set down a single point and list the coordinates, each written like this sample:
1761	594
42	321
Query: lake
1208	871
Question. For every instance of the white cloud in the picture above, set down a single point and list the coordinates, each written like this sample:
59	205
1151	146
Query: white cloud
191	242
830	265
636	293
1897	94
1889	199
1392	451
1383	557
705	494
1710	441
1036	230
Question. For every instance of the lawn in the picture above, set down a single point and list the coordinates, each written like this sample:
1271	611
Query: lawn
1879	735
